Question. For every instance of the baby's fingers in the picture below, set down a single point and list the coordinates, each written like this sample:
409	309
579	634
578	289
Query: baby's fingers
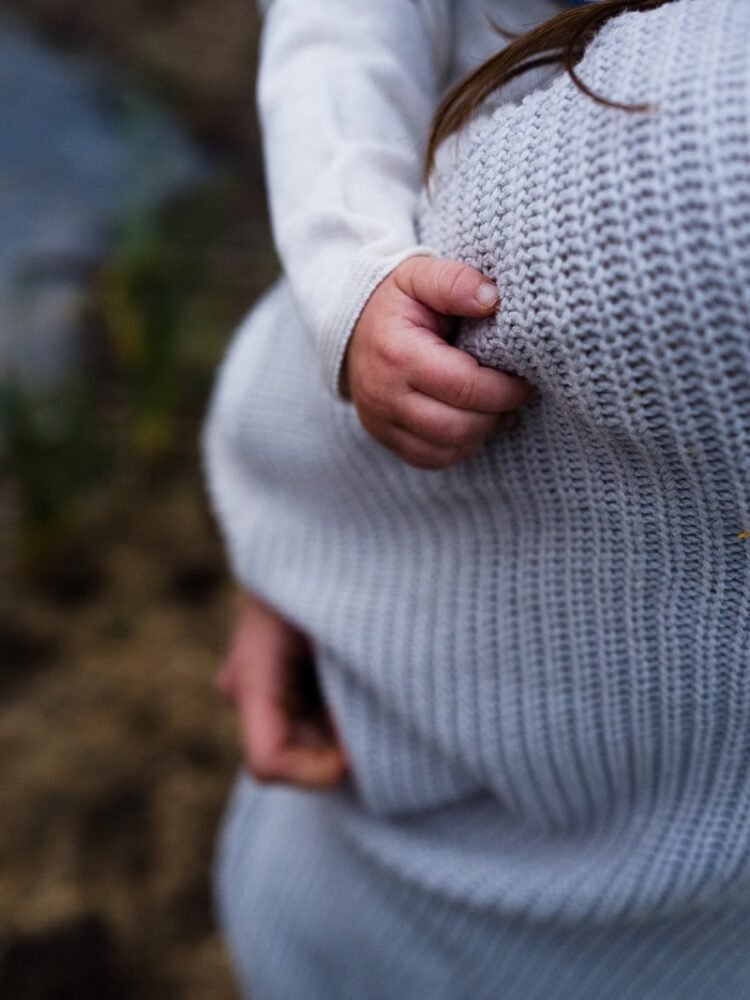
455	378
437	423
447	286
420	454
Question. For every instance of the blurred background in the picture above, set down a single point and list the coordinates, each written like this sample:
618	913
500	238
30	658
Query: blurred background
133	237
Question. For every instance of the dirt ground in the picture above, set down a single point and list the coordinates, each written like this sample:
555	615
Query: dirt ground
117	760
117	754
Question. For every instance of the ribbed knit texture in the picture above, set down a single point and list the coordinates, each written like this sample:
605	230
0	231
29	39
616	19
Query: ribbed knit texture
539	659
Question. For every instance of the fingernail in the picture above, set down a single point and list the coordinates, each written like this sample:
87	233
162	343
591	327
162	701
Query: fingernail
487	295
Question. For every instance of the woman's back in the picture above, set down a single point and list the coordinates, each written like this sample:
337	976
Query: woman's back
621	246
540	657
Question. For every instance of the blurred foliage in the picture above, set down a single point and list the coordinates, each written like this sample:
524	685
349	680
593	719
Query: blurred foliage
142	296
56	455
199	56
109	634
160	311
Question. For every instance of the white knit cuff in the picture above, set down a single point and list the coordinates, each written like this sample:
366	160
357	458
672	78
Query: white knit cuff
365	275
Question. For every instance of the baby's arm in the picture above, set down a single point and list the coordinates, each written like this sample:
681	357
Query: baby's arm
430	403
347	89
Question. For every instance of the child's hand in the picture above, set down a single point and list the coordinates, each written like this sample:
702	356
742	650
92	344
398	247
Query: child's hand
269	677
430	403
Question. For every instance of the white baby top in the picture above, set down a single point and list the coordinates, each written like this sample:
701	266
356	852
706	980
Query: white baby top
346	93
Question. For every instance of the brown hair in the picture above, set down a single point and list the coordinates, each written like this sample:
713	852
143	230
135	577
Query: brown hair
562	39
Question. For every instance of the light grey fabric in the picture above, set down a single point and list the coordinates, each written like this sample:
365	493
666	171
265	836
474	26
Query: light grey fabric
538	659
309	916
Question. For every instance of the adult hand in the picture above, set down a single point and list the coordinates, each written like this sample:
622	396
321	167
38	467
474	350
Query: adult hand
269	677
430	403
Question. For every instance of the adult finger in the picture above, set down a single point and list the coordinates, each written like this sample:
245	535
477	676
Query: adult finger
311	767
268	733
264	725
447	286
226	680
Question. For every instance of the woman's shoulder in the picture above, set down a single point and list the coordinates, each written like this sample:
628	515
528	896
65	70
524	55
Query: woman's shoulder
642	56
681	60
612	232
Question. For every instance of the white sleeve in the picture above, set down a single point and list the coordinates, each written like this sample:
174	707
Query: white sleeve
346	93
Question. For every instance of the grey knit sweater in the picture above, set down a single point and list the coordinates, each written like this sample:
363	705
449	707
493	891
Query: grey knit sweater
540	660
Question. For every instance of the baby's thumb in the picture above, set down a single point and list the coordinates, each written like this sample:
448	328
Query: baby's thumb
447	286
